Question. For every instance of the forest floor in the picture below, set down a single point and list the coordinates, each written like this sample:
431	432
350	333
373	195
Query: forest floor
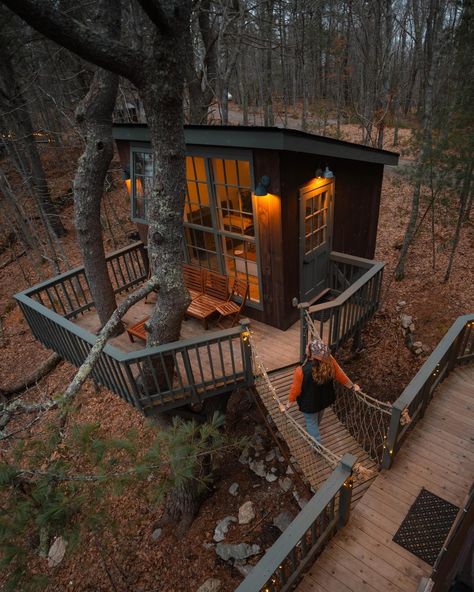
124	557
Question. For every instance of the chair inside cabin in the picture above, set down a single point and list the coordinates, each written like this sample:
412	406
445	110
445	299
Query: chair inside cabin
231	308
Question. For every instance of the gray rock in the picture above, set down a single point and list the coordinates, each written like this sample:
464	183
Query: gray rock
258	467
222	528
418	351
270	477
239	551
243	568
401	303
270	456
417	344
289	470
244	458
246	513
283	520
301	501
281	458
285	483
210	585
406	320
56	551
208	546
234	489
412	328
155	535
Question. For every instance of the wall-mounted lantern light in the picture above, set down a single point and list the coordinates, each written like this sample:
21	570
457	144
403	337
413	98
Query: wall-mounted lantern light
263	185
328	174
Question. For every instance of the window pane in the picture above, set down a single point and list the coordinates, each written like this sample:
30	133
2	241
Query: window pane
241	261
201	248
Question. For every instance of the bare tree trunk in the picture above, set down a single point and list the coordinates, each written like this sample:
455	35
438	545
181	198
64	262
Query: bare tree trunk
94	115
426	145
465	199
17	115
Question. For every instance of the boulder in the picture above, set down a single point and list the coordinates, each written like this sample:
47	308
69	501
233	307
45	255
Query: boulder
56	551
270	477
406	320
237	551
210	585
234	489
222	528
270	456
246	513
283	520
258	467
155	535
285	483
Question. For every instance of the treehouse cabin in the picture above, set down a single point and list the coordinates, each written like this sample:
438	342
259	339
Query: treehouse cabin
269	206
288	215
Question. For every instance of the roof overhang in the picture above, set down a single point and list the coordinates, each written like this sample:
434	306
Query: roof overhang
264	138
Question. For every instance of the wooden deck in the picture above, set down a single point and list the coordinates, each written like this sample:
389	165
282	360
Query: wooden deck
333	436
277	348
437	455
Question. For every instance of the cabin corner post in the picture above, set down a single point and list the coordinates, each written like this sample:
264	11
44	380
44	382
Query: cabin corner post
345	493
391	440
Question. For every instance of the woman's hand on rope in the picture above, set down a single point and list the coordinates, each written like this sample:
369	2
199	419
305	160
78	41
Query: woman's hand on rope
355	387
282	407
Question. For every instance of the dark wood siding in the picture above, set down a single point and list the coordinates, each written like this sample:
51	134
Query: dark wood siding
357	200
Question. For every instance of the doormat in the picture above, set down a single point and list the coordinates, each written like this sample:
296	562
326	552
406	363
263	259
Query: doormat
426	526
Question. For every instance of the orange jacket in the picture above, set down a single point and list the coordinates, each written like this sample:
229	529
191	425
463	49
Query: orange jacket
295	391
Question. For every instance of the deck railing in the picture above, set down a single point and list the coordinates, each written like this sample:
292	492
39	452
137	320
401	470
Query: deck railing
456	347
69	295
284	563
359	282
151	379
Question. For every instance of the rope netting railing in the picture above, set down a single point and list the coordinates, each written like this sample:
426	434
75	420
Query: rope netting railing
366	418
292	430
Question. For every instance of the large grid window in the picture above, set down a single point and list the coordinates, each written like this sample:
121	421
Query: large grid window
220	230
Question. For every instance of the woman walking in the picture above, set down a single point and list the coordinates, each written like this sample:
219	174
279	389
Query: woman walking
313	387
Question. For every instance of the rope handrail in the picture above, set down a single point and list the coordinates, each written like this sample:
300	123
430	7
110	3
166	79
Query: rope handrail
382	406
329	456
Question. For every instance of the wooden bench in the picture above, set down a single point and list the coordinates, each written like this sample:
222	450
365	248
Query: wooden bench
216	293
194	280
138	330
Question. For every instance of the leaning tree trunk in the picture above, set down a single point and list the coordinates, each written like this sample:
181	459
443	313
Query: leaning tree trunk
94	115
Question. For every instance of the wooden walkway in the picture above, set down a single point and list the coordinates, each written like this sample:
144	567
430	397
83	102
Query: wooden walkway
333	436
437	455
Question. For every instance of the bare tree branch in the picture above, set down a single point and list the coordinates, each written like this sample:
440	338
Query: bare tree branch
90	44
155	13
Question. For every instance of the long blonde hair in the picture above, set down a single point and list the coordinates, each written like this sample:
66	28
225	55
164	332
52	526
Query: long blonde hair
322	370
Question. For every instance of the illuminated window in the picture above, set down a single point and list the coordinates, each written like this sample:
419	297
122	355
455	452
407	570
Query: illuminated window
219	223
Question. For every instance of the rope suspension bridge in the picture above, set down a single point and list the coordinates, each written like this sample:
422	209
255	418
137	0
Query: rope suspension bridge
356	423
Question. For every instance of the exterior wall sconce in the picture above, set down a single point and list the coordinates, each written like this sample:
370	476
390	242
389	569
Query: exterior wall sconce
328	174
262	188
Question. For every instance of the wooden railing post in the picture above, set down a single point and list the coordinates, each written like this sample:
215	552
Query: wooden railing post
247	349
345	493
391	441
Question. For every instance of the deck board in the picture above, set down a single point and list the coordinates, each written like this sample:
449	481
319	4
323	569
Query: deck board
437	455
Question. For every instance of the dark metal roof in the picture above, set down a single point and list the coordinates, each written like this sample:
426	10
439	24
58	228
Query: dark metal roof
263	138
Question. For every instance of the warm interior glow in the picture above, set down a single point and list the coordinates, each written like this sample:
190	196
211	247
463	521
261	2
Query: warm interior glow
128	185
